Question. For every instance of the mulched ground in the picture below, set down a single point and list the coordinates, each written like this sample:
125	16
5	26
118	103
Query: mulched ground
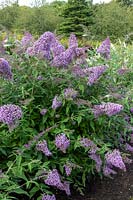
118	188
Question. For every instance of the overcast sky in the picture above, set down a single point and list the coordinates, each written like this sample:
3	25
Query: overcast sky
29	2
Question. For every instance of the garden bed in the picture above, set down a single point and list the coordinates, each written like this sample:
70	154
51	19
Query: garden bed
120	187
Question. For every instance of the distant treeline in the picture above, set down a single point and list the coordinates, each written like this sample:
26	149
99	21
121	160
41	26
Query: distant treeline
91	21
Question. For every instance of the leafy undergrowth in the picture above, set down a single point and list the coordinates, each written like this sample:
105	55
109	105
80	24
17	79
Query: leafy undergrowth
72	126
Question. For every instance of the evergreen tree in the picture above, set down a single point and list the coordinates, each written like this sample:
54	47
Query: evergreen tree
76	13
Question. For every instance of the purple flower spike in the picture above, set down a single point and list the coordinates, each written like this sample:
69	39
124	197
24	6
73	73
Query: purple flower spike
62	142
68	169
5	70
128	147
98	161
94	73
42	146
57	48
70	93
107	171
10	114
43	111
104	48
27	40
131	110
107	108
54	179
48	197
73	41
114	159
56	103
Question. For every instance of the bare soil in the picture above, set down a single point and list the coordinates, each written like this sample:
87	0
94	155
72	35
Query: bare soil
120	187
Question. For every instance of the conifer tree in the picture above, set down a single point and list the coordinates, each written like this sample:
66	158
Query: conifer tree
76	13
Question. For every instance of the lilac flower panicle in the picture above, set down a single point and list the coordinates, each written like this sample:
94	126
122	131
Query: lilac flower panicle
98	161
114	158
104	48
62	142
5	69
73	41
10	114
57	48
68	169
42	45
40	78
43	111
27	40
56	103
64	59
122	71
78	71
54	179
48	197
107	108
66	187
85	142
131	110
128	147
107	171
94	73
42	146
70	93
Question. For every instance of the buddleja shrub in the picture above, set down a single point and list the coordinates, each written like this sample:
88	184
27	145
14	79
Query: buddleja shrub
66	131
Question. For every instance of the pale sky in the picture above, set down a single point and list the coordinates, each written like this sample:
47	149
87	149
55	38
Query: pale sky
29	2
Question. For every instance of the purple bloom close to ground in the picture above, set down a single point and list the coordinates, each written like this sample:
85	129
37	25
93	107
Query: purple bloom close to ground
70	93
5	70
48	197
107	171
107	108
114	158
10	114
98	161
56	103
43	111
62	142
104	48
54	179
42	146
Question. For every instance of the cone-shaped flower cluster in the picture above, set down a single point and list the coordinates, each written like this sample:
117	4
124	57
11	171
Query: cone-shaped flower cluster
27	40
114	159
56	103
104	48
62	142
107	108
10	114
42	146
54	179
70	93
5	69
